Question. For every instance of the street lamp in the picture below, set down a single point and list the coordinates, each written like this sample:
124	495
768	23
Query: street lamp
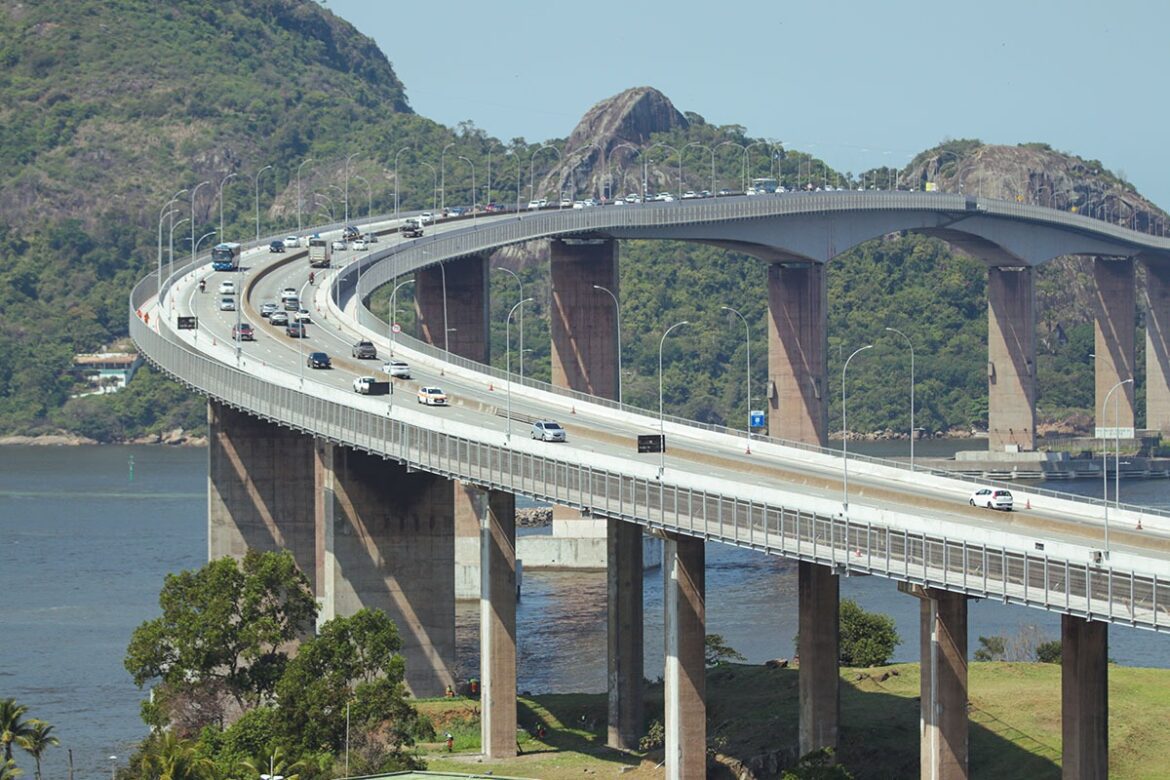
400	151
256	186
434	183
369	199
725	143
1117	458
531	169
171	257
303	163
194	243
208	234
911	345
612	158
508	367
618	319
646	160
113	766
748	340
221	183
443	177
520	319
347	159
163	213
394	310
701	146
746	149
661	418
472	165
845	436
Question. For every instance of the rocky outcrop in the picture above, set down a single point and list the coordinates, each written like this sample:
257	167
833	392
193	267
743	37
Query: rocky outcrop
595	145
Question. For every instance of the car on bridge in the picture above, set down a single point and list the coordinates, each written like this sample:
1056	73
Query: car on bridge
547	430
276	246
364	350
295	330
243	332
291	242
266	309
278	318
432	396
360	245
303	315
227	304
992	498
397	368
340	245
227	288
318	360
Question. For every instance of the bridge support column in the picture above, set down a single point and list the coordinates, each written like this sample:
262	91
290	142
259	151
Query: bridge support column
1011	359
584	326
1157	347
1084	690
943	686
1114	308
467	336
498	625
385	537
820	698
797	344
685	681
625	632
260	488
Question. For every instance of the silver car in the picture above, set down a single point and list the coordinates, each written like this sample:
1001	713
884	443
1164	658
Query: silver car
547	430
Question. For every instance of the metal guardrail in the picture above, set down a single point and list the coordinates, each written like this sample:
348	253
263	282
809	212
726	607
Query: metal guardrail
1015	576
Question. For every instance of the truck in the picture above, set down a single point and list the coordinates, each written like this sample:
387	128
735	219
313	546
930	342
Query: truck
412	227
368	385
318	252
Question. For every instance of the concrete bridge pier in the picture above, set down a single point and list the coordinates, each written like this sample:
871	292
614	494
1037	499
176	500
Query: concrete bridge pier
798	400
943	685
260	490
685	674
583	325
1113	335
1084	689
818	648
497	623
1011	359
456	297
385	541
1157	346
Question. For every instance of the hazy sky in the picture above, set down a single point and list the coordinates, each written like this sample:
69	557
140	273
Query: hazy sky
861	83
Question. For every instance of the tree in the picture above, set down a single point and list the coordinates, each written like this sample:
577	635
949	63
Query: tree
170	757
37	741
353	662
867	638
717	651
13	726
817	765
9	770
224	625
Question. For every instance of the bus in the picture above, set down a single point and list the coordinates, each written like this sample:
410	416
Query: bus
225	257
763	186
318	252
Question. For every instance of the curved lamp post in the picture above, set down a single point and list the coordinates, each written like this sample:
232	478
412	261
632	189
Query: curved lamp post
684	151
748	340
472	166
635	149
617	319
303	163
222	182
646	160
171	256
727	143
434	184
911	345
520	319
256	187
347	159
163	213
443	176
508	368
661	417
208	234
194	243
369	198
1117	458
845	436
400	151
532	169
394	310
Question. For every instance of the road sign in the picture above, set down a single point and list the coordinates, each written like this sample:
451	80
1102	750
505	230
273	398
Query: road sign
396	328
188	323
756	418
651	443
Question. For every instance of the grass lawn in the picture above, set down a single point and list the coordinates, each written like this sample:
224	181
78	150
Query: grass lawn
752	722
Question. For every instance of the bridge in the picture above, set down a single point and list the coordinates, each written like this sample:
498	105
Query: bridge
360	488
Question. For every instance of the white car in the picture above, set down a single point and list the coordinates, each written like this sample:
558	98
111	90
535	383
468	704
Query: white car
227	288
227	304
360	245
547	430
992	498
303	315
288	292
427	217
534	205
291	242
397	369
340	246
432	396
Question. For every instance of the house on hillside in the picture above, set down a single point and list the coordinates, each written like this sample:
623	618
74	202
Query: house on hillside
108	372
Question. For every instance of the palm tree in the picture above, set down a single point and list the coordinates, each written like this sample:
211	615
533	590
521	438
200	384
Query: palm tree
174	758
275	765
9	770
12	725
37	741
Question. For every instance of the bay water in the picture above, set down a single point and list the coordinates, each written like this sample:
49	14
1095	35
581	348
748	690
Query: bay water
87	535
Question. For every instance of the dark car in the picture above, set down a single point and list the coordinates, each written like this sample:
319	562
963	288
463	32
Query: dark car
350	233
318	360
243	332
276	246
364	350
295	330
